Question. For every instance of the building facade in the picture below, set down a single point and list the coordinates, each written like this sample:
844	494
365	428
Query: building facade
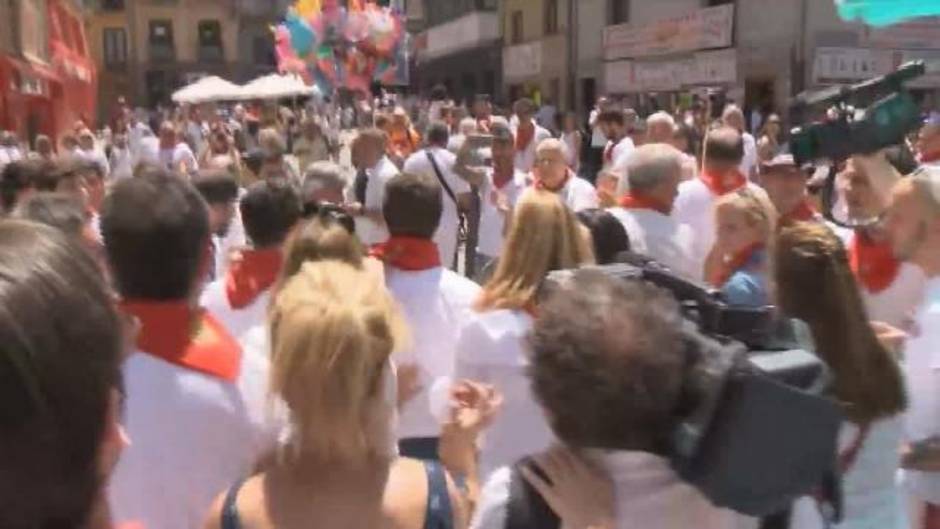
460	47
255	45
538	38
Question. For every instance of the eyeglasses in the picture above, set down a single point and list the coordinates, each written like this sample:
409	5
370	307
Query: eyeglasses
330	213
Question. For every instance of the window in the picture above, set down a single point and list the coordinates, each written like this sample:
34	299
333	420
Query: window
161	41
112	5
551	17
619	12
210	40
115	47
516	27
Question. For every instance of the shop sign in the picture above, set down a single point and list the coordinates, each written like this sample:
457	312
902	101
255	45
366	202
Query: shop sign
701	69
707	28
522	61
849	65
466	32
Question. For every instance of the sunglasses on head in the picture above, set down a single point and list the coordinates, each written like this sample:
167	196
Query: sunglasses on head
329	212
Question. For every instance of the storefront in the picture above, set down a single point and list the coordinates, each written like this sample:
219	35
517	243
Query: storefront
664	64
26	102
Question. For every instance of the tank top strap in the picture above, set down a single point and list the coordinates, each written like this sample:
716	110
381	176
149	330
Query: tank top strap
439	513
230	519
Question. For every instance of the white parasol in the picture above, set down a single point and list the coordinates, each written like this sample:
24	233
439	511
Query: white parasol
276	86
207	89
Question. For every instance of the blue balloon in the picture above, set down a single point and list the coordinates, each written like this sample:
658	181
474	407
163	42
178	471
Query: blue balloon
886	12
302	36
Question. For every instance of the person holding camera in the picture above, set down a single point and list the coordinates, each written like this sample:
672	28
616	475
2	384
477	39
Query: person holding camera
606	366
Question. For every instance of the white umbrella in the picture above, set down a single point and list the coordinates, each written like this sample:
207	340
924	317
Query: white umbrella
207	89
276	86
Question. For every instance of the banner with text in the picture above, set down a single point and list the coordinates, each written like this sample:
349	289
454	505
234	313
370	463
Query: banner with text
707	28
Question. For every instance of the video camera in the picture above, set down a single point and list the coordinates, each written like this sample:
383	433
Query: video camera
756	431
858	119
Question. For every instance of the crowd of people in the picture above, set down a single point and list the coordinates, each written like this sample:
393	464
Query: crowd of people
207	322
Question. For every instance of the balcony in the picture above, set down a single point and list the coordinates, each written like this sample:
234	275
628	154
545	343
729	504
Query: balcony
162	53
469	31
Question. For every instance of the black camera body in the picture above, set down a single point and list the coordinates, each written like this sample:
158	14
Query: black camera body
758	431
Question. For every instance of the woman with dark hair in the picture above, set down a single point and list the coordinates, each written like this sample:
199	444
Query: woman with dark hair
814	283
59	382
607	233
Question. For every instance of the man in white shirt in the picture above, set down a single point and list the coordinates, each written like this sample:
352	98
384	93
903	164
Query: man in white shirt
9	150
438	163
239	299
195	408
619	145
121	160
595	382
174	154
220	191
528	134
720	175
913	225
645	208
374	170
553	174
434	300
87	150
466	127
734	118
660	127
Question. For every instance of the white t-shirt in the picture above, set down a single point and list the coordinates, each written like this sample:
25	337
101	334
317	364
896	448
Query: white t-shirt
122	163
659	237
236	321
525	159
98	158
620	154
492	349
578	193
446	235
492	220
369	231
647	494
922	373
192	436
598	139
694	207
179	156
749	162
434	302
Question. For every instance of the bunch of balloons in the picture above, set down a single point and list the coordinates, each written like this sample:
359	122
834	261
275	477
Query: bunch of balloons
336	46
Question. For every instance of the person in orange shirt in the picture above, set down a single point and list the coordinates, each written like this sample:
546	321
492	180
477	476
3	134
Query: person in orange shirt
403	140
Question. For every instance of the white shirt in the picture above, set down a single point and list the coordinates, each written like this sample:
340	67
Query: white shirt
492	349
237	321
446	235
647	494
694	207
749	162
369	231
598	139
434	302
192	436
492	220
621	153
659	237
922	372
578	193
122	163
525	159
96	157
179	155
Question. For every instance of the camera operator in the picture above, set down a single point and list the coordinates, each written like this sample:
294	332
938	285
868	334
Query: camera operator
607	367
913	225
890	288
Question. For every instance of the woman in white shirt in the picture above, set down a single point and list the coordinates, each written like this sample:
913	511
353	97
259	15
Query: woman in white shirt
814	283
544	235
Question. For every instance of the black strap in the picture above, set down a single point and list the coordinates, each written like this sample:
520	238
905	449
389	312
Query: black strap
230	519
527	509
439	514
360	185
440	178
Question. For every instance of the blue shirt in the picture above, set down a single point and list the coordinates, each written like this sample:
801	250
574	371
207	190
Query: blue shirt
747	286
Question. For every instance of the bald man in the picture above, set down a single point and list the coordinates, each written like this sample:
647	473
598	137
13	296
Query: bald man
374	170
913	225
552	173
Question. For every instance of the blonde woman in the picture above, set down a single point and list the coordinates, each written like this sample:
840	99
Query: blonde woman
745	221
544	235
333	330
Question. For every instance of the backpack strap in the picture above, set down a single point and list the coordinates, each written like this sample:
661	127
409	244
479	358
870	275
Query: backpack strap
440	513
440	176
230	519
526	508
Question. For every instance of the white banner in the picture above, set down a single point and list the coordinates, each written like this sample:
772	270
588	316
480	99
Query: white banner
522	61
707	68
711	27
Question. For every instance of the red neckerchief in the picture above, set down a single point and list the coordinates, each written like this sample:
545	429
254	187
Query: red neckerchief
717	185
735	263
499	180
632	201
484	125
524	136
250	274
872	262
187	337
540	184
407	253
930	158
802	213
